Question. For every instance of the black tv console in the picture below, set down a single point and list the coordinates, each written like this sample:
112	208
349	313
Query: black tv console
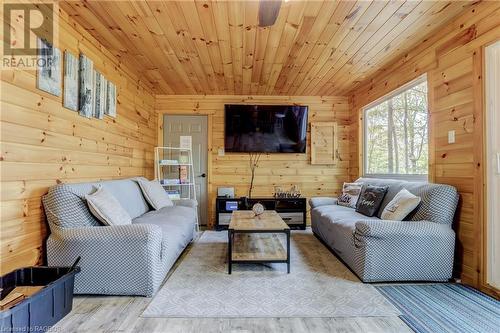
291	210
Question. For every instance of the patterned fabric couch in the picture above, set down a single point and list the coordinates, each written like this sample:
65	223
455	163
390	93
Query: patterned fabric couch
418	249
128	259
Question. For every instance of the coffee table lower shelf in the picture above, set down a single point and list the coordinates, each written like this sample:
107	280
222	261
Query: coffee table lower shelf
257	247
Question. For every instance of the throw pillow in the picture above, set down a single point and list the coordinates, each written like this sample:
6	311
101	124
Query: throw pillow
106	208
370	199
350	194
155	194
400	206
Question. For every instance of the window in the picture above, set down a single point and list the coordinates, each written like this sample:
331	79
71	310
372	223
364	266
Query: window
396	134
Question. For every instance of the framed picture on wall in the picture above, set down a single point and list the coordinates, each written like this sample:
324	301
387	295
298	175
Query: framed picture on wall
86	104
111	100
70	91
49	68
324	143
100	89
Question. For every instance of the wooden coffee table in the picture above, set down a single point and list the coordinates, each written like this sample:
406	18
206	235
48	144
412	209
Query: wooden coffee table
255	239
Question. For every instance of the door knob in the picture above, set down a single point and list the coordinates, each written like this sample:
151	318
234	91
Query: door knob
203	175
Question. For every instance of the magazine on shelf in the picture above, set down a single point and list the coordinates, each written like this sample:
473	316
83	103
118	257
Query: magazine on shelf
168	162
174	194
183	174
170	181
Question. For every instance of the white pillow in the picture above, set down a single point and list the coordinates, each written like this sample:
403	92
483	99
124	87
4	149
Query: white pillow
106	208
155	194
400	206
350	194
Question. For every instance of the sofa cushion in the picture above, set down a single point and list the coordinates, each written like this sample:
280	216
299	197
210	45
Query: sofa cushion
154	193
106	208
177	224
167	214
340	223
341	214
126	191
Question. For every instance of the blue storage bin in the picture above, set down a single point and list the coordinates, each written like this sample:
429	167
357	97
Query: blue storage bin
46	307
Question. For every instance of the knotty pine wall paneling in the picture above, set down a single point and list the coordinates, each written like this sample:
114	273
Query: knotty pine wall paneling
453	60
282	170
315	48
43	144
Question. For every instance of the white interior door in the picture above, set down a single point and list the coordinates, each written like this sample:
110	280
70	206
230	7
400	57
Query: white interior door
492	79
195	126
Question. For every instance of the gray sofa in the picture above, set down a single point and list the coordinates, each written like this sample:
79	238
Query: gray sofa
128	259
418	249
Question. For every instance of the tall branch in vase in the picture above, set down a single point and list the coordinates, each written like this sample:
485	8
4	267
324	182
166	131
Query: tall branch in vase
254	163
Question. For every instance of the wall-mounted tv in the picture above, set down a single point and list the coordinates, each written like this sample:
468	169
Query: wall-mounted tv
265	128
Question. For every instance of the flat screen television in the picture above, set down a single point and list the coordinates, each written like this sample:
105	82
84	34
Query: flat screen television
265	128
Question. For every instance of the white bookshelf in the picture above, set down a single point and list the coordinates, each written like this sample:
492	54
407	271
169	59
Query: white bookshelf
168	163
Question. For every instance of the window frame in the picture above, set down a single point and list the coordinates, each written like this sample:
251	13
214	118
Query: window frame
386	97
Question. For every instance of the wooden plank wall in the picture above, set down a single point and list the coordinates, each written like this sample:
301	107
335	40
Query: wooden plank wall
452	58
43	143
274	169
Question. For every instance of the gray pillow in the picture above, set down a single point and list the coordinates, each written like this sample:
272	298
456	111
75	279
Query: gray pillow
155	194
370	199
106	208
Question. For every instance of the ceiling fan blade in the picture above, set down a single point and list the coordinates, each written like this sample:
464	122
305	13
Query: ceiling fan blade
268	12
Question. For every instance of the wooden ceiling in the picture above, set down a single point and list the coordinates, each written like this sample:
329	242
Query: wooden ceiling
217	47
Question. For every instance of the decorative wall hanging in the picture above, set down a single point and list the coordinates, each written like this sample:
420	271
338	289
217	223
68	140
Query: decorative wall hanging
100	89
324	143
49	68
86	104
70	92
111	100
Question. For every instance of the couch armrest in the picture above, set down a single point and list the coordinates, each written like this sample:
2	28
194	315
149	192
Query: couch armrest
186	203
118	241
388	228
403	250
124	259
322	201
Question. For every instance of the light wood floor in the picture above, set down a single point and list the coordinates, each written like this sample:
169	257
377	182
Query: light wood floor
122	314
95	314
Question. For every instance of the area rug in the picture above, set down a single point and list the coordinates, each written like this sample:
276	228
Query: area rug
444	308
319	285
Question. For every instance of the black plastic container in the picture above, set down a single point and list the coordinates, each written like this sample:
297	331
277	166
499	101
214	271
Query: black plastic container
43	309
